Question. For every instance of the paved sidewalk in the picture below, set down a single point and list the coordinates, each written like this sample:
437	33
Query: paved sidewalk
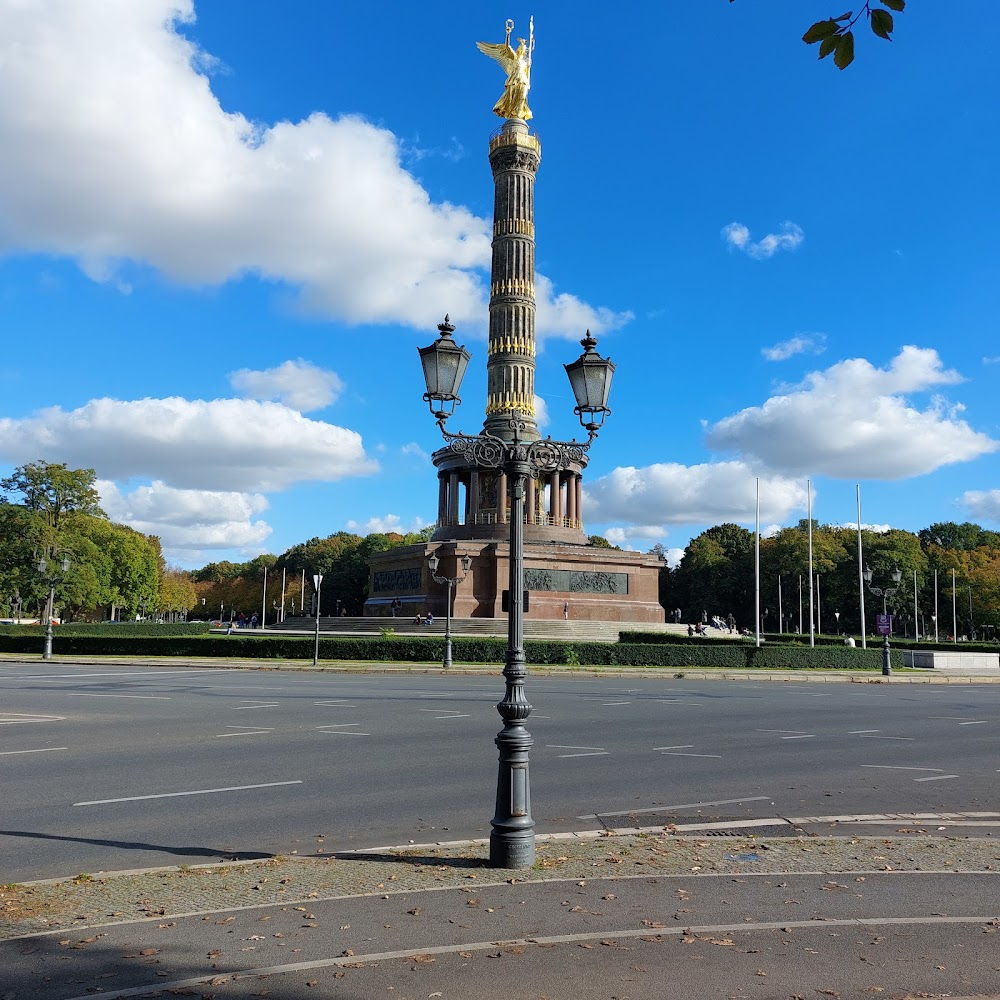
88	901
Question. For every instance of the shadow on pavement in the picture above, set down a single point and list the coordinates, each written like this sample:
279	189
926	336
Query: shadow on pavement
136	845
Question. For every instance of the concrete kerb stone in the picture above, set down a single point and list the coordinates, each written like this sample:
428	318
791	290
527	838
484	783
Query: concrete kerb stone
67	906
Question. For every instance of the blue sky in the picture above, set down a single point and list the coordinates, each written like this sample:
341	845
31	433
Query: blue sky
225	228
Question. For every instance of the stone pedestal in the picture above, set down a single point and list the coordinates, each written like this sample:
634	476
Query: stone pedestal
597	584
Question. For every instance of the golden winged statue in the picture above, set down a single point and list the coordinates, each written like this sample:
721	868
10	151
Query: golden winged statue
517	65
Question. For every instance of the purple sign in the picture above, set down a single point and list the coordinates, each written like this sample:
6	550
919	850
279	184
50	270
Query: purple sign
883	624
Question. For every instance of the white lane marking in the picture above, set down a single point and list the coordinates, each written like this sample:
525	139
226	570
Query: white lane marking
671	753
801	736
173	795
263	704
678	701
981	722
680	746
11	753
800	732
937	777
151	673
588	751
889	737
336	729
606	704
900	767
860	732
177	985
540	716
246	731
21	718
335	703
89	694
448	714
682	805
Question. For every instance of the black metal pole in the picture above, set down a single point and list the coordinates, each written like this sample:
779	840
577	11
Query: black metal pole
512	841
447	629
49	608
886	660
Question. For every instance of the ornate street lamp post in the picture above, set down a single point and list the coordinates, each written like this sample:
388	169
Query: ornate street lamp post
52	579
512	840
451	581
885	593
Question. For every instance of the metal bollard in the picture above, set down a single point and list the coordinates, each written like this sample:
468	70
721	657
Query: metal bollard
886	662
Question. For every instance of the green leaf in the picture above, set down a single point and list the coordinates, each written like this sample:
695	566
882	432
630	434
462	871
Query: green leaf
845	17
828	45
819	31
844	54
881	22
896	5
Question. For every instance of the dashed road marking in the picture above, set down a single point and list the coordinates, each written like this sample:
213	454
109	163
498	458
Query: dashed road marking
11	753
245	731
263	704
446	714
22	718
199	791
337	730
588	751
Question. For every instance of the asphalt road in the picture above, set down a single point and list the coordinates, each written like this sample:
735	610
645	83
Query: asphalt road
107	768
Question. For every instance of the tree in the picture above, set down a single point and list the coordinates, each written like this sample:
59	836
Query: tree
55	490
835	34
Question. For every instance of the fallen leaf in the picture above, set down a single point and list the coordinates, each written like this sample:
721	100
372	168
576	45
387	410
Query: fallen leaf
423	958
150	951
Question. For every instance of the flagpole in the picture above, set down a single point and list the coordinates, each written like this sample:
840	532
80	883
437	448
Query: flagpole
781	617
861	576
935	607
812	622
756	565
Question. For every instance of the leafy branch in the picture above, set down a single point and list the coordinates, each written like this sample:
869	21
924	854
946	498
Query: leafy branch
836	34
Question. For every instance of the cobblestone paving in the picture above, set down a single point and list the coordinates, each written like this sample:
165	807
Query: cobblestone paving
158	894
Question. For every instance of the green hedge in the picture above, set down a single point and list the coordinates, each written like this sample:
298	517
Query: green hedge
428	649
132	630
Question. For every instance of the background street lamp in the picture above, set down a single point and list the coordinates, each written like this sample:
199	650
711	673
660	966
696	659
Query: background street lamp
433	562
512	840
52	579
885	593
836	615
317	586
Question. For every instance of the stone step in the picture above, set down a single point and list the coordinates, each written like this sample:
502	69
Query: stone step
534	628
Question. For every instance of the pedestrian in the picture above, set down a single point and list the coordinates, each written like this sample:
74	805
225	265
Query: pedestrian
731	622
565	611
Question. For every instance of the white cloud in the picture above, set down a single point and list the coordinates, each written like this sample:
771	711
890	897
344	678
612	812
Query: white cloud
385	525
222	444
298	384
415	450
852	421
982	503
564	315
812	343
668	493
737	236
188	519
991	360
541	412
163	176
877	529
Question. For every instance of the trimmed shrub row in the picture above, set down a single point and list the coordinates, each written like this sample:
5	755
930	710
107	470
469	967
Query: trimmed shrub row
410	649
140	630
